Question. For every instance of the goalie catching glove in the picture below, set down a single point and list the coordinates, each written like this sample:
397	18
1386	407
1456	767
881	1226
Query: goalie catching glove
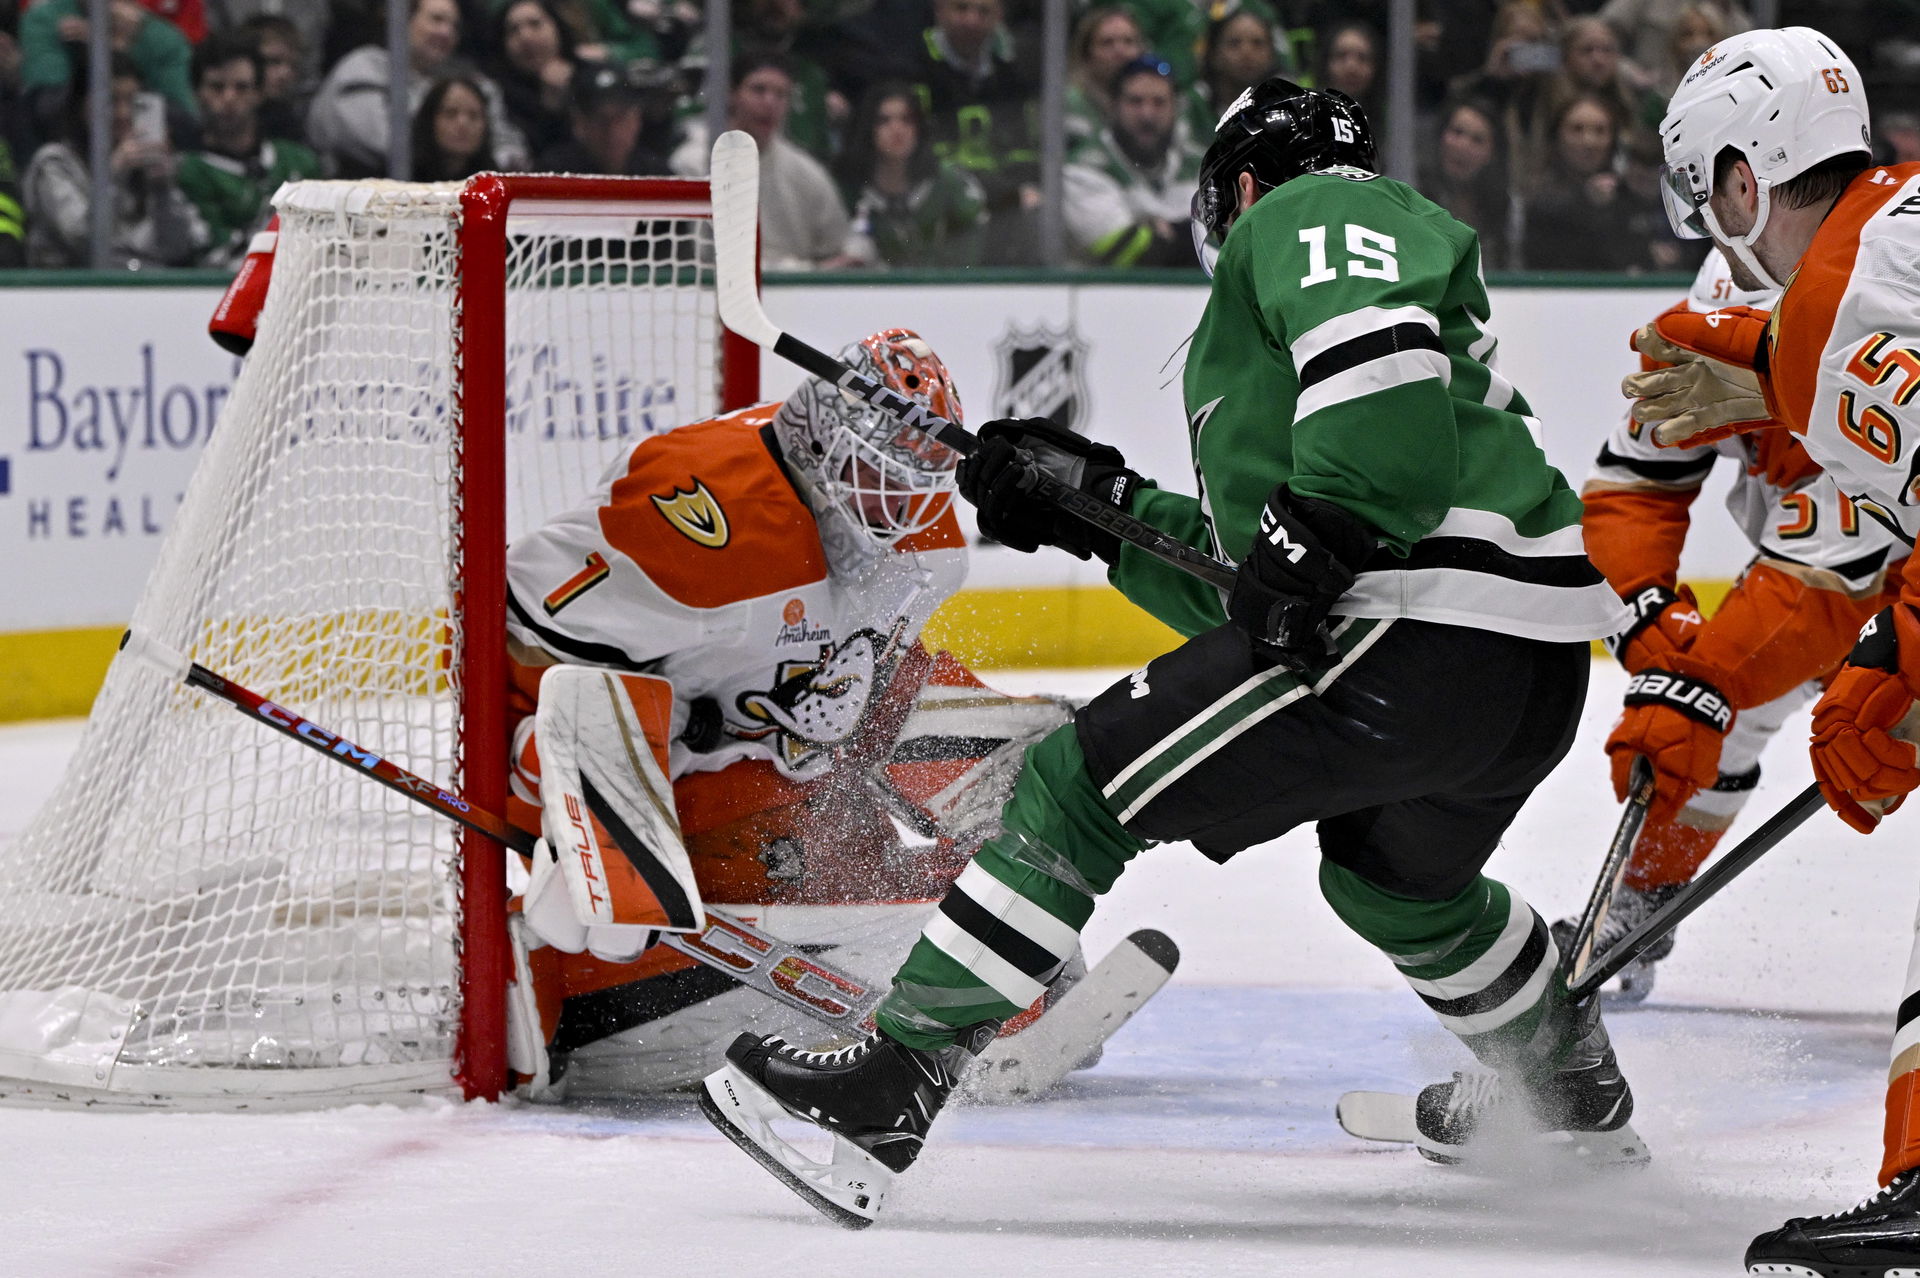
1714	382
611	869
1304	557
998	478
1863	751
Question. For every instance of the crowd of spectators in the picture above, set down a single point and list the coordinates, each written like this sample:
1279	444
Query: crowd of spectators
893	133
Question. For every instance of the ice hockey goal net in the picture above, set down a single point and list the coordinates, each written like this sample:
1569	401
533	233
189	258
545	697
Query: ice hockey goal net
206	912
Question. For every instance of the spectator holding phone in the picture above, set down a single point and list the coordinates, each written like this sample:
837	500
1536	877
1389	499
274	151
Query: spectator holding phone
153	222
1581	215
1520	63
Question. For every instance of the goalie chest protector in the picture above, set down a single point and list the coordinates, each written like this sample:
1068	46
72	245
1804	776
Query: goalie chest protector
697	560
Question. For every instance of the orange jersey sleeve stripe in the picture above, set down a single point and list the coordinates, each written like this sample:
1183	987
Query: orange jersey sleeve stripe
707	513
1634	535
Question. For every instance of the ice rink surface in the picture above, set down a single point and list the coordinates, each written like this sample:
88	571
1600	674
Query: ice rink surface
1204	1142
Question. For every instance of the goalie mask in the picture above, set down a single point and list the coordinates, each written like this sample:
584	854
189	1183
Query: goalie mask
889	480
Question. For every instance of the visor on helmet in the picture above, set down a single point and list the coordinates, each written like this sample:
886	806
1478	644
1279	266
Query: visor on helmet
1685	203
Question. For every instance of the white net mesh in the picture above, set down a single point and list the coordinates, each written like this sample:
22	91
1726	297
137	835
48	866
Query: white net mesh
205	908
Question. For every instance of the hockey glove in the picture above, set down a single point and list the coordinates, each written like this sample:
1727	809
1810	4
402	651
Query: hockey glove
998	478
1664	623
1304	557
1863	752
1678	722
1715	382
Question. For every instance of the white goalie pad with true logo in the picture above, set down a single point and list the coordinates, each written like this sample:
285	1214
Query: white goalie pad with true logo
596	768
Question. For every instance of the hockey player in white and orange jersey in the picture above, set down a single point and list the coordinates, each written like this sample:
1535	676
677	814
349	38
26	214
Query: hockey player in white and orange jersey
1816	577
1766	144
757	582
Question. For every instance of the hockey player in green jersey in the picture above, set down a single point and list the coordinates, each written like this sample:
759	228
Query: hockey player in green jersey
1402	659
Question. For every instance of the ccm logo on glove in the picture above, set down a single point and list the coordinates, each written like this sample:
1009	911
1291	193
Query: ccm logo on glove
1699	701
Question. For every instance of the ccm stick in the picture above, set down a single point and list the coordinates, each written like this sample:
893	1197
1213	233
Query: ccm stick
1014	1068
752	957
736	223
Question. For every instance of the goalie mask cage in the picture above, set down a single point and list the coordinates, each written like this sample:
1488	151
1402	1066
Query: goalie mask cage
208	913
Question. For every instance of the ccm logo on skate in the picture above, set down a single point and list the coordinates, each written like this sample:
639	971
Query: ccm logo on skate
318	735
1692	698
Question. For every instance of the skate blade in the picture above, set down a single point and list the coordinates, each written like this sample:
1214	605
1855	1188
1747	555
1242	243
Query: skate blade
849	1190
1836	1271
1621	1147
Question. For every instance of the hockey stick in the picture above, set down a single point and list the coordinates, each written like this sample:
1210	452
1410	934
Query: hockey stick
1573	963
1110	993
736	222
754	958
1696	894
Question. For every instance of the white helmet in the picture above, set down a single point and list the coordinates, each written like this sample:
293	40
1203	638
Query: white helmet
1785	99
887	479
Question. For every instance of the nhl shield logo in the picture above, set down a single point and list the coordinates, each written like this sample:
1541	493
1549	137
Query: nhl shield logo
1043	373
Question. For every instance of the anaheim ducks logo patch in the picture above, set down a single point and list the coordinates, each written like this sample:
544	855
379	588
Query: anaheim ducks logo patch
696	515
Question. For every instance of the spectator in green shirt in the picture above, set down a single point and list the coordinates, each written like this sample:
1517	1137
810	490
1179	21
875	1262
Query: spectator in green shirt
237	170
909	208
53	42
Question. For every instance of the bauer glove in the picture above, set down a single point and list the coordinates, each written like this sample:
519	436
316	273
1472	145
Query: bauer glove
1304	557
1664	623
1863	733
1677	722
1714	382
998	477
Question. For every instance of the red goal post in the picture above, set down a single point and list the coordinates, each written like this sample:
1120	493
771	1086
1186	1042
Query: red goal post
200	916
487	205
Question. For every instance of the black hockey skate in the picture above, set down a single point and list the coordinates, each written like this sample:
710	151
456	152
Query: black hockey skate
1584	1105
877	1097
1626	911
1880	1238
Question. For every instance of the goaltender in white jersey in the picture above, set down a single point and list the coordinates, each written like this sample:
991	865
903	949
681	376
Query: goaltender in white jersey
755	584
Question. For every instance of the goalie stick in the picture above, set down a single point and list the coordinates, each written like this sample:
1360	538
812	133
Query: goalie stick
736	220
1101	1003
753	958
1388	1116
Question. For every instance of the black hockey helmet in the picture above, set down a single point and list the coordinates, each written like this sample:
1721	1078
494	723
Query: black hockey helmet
1276	131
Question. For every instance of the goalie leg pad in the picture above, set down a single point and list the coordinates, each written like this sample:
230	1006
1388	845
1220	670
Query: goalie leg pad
607	810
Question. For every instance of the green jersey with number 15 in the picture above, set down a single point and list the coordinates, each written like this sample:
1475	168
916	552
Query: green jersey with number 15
1344	353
